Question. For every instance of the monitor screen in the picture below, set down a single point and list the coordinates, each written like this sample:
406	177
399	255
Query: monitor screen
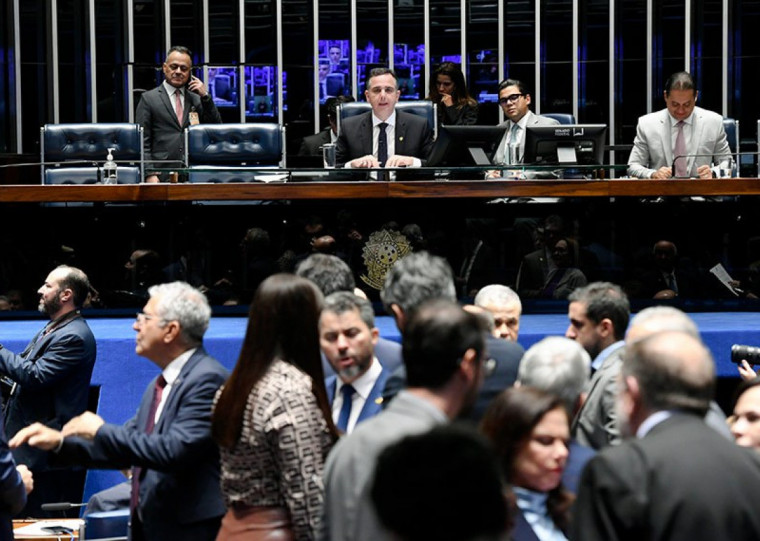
565	144
461	146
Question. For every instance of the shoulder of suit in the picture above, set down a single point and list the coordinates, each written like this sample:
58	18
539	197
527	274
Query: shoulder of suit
706	114
544	120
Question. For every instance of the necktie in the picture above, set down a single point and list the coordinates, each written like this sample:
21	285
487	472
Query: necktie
347	391
513	145
382	148
680	150
178	105
672	283
150	423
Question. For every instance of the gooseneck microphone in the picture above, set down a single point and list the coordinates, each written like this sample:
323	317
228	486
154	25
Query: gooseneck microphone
687	156
60	506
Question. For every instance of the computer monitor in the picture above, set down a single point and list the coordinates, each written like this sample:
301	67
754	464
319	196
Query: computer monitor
565	144
461	146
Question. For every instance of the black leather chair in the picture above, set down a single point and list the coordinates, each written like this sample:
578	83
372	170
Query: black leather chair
731	126
562	118
226	152
424	108
74	153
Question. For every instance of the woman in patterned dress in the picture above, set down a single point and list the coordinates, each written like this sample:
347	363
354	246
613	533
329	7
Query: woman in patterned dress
272	418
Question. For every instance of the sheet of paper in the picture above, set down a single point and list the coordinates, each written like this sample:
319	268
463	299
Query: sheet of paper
721	274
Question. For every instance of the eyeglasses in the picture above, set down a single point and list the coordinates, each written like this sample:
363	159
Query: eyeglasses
510	99
141	318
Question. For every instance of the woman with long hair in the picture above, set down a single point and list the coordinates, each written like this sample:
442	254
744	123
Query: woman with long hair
272	419
449	91
529	430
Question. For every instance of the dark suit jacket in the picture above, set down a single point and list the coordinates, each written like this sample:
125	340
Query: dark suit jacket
310	145
12	491
163	133
413	137
53	383
507	356
179	484
682	482
373	405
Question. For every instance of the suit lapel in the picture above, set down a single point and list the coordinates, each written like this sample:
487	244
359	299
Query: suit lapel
365	133
330	384
665	133
168	410
400	145
697	127
374	402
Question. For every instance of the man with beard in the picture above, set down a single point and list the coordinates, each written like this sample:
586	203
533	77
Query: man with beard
598	315
49	382
675	478
443	353
347	335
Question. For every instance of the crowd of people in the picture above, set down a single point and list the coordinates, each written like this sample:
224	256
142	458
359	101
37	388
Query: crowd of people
324	430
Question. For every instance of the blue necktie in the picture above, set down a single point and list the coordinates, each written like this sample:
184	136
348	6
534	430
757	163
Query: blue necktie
345	410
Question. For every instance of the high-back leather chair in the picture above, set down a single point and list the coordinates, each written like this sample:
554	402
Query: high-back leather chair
731	125
227	152
424	108
74	153
562	118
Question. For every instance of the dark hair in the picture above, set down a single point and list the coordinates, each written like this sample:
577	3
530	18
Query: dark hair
75	280
460	94
377	72
180	49
605	300
449	469
681	80
674	370
513	82
282	324
743	387
508	423
435	339
415	279
328	272
345	301
332	105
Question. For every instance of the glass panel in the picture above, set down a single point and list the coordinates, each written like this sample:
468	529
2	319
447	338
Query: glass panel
223	27
298	56
743	67
73	94
669	35
519	37
594	67
149	47
372	32
409	49
34	71
482	58
630	70
261	55
186	26
707	52
110	80
557	56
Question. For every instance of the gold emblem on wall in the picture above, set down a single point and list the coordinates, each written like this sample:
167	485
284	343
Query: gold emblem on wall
382	250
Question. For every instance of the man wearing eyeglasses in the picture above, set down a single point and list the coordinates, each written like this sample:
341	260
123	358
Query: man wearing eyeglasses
383	137
175	104
175	464
515	101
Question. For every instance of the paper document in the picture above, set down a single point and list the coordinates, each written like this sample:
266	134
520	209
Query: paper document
721	274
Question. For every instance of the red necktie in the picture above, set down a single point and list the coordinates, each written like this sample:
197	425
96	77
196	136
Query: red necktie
150	423
178	105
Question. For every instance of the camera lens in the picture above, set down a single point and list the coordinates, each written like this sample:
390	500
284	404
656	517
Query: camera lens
741	352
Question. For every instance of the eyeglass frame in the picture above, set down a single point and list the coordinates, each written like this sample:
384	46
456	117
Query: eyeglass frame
142	317
512	98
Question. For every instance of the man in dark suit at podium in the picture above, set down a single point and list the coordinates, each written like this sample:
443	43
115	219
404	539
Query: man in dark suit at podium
175	104
176	490
383	137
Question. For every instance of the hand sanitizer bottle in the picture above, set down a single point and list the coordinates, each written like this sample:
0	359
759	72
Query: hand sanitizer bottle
109	168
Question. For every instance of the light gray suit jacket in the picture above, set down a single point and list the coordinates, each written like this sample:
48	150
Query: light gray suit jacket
349	513
596	424
653	145
532	120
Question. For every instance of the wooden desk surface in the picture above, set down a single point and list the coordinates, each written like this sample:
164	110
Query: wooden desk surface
377	190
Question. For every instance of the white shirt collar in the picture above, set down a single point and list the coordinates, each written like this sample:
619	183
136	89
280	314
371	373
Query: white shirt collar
171	89
172	370
391	121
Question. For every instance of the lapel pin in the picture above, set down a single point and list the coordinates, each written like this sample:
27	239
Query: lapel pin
379	400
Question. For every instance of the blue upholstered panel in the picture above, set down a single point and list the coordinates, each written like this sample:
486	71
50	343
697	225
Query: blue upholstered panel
424	108
562	118
64	142
88	175
732	133
234	144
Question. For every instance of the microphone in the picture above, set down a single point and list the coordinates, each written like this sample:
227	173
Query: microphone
60	506
686	156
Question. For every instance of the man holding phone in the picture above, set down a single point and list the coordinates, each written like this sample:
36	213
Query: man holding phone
165	111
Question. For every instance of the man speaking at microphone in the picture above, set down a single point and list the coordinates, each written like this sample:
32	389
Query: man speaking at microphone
682	140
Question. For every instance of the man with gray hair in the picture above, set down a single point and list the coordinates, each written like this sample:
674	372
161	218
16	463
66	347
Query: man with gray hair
667	318
347	336
675	478
175	464
420	277
560	366
506	308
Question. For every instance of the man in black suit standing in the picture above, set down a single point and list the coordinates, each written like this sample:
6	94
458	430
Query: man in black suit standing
383	137
676	478
175	104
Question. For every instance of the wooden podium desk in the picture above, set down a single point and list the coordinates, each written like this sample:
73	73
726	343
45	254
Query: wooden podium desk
73	524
